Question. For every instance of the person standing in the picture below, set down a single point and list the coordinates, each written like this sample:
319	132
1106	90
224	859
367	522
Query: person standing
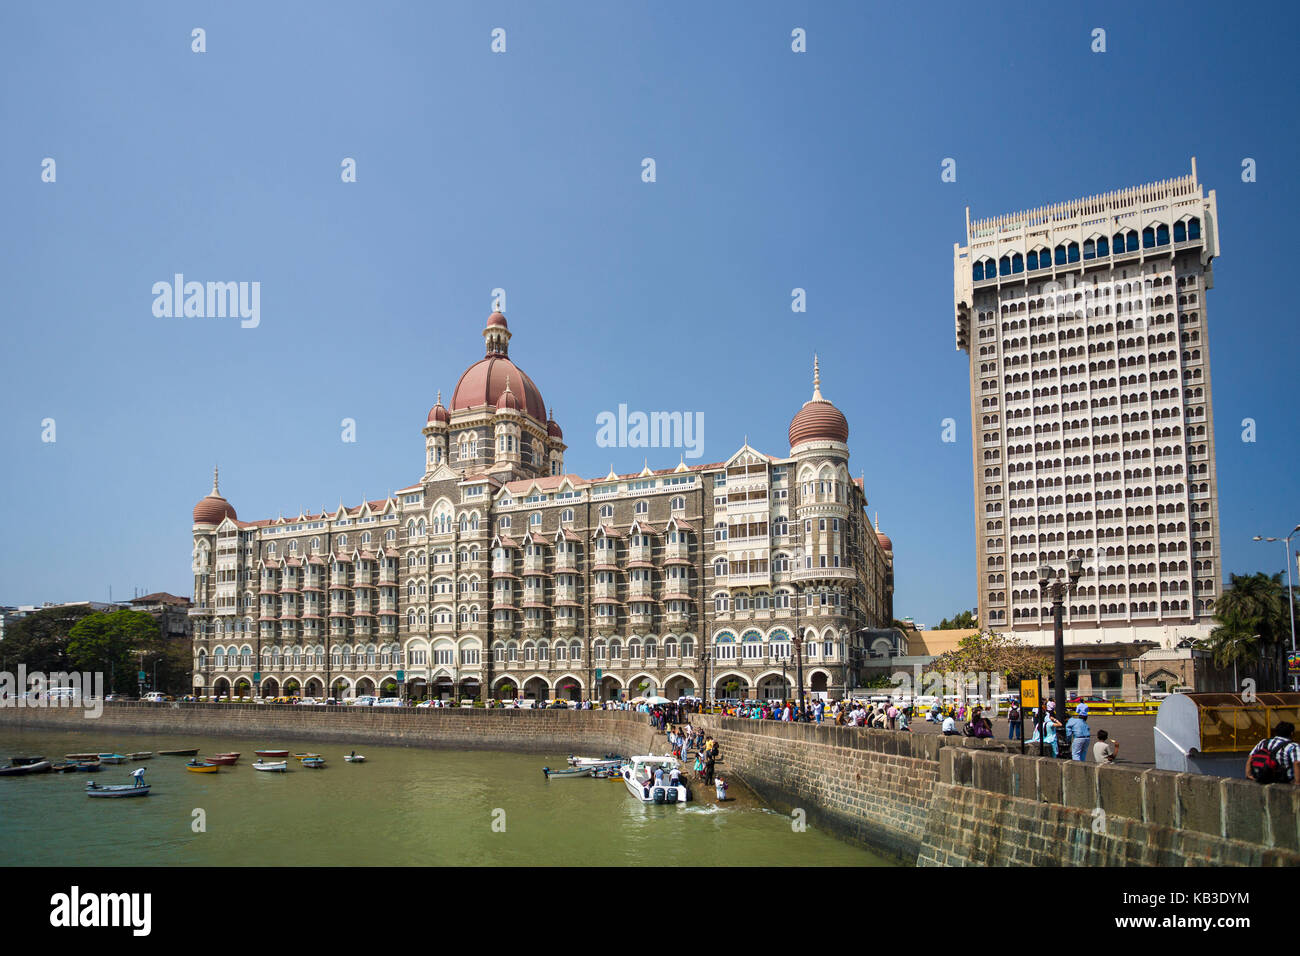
1013	716
1273	759
1050	725
1079	734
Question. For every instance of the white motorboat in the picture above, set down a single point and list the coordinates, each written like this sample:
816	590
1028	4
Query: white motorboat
596	761
271	766
639	775
355	758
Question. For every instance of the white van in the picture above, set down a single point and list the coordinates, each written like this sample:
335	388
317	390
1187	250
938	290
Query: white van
154	697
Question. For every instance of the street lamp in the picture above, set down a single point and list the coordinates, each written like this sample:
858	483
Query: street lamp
1290	593
1056	589
798	631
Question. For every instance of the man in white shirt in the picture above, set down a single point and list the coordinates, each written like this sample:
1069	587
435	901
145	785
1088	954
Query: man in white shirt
949	726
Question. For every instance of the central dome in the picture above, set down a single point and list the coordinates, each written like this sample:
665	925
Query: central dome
485	380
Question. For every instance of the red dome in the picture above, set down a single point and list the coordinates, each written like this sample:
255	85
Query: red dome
507	398
818	420
485	380
213	509
884	541
438	414
553	427
496	318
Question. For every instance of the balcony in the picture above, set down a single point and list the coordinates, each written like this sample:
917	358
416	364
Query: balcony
607	591
639	552
566	562
534	564
677	552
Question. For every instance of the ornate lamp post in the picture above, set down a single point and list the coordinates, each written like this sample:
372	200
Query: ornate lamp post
1056	589
1290	593
798	631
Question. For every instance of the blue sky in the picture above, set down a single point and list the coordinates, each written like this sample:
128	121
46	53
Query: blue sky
522	170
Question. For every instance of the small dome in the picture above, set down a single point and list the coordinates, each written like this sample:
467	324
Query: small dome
818	420
885	543
213	509
497	319
506	401
553	427
439	414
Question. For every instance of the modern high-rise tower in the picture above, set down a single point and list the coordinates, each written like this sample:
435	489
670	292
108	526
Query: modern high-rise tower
1092	420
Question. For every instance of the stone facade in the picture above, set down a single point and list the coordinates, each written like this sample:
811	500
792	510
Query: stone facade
499	573
1093	425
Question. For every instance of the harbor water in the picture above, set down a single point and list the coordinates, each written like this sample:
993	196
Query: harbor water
402	807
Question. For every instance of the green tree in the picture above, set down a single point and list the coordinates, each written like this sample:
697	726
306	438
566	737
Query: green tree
113	643
40	640
1254	625
960	621
992	653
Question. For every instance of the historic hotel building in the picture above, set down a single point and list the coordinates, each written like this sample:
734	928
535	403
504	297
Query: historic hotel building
498	570
1093	426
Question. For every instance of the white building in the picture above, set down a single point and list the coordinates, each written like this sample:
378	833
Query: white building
1093	425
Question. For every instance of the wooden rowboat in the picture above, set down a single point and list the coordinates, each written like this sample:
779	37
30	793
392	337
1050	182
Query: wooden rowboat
278	766
201	767
222	760
141	755
271	753
81	756
179	753
125	790
112	758
569	773
305	756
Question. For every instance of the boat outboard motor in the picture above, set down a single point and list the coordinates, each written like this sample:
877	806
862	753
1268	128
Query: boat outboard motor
672	794
659	795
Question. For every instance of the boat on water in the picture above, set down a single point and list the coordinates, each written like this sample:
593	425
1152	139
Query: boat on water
22	766
233	753
69	767
141	755
222	760
201	766
315	763
90	766
137	789
271	766
271	753
304	756
81	756
355	757
609	760
568	773
179	753
639	775
112	758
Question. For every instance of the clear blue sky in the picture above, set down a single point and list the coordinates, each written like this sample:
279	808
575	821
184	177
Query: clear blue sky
522	170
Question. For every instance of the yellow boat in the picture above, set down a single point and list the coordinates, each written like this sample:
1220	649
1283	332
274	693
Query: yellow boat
195	767
305	756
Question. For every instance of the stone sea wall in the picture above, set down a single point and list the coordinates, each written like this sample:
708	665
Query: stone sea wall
540	731
952	801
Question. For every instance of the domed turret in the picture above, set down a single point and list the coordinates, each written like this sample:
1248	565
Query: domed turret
553	427
213	509
506	401
818	420
484	381
438	415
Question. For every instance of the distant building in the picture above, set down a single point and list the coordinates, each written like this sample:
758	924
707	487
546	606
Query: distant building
171	612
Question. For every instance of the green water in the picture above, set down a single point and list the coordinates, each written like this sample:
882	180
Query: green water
403	806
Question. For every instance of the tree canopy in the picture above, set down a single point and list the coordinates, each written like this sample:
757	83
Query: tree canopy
962	621
992	653
1253	628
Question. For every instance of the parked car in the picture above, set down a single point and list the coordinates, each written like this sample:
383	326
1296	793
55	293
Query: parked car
366	701
1087	700
389	702
155	698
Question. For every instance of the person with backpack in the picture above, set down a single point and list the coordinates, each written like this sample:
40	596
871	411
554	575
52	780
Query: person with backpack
1273	759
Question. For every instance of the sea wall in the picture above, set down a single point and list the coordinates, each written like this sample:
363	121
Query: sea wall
953	801
540	731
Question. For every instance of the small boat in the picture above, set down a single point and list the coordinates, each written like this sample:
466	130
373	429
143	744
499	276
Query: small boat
69	767
355	758
22	766
304	756
609	760
222	760
201	766
179	753
90	766
137	789
81	756
233	753
124	790
271	753
112	758
315	763
277	766
141	755
569	773
639	775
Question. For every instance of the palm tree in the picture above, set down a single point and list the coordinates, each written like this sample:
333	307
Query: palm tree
1253	610
1234	642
